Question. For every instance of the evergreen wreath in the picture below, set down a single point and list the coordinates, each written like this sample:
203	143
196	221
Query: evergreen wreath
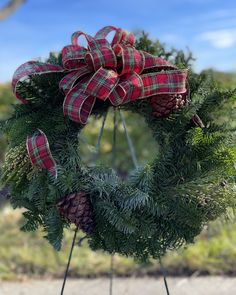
160	206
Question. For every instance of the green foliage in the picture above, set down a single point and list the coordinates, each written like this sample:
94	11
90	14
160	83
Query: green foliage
162	205
53	225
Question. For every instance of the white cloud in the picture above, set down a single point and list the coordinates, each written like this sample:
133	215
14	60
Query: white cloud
220	39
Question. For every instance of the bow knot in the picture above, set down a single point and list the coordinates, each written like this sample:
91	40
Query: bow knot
101	57
102	83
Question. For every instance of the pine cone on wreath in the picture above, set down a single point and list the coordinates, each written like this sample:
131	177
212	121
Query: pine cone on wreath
77	208
164	104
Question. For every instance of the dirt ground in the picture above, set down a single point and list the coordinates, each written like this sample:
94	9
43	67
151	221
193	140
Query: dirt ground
142	286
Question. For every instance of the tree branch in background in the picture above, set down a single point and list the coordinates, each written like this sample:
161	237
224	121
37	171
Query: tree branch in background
9	8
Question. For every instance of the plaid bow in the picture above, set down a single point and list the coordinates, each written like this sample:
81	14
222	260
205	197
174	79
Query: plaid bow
115	71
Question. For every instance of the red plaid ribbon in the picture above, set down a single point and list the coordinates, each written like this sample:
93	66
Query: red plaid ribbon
39	152
104	71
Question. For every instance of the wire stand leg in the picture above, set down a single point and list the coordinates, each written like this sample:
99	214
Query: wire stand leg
164	277
98	145
129	140
68	263
111	275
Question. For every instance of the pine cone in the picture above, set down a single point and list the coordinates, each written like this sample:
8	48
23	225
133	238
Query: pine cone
77	208
164	104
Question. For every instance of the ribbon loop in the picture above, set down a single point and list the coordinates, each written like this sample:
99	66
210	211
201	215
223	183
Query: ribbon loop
102	33
31	68
121	36
73	57
131	60
75	36
39	152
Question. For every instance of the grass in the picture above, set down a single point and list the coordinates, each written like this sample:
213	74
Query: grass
28	254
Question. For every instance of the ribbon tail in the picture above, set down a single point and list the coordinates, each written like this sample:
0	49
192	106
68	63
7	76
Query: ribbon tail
39	152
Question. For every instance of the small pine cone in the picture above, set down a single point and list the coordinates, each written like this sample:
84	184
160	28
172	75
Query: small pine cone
164	104
77	208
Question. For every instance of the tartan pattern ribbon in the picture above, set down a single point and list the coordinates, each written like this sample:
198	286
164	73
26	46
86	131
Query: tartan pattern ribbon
114	71
39	152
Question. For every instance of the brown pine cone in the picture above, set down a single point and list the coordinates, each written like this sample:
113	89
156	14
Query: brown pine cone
77	208
164	104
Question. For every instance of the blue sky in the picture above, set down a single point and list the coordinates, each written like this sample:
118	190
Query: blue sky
207	27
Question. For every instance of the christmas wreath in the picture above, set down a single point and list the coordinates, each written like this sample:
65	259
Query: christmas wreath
160	206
